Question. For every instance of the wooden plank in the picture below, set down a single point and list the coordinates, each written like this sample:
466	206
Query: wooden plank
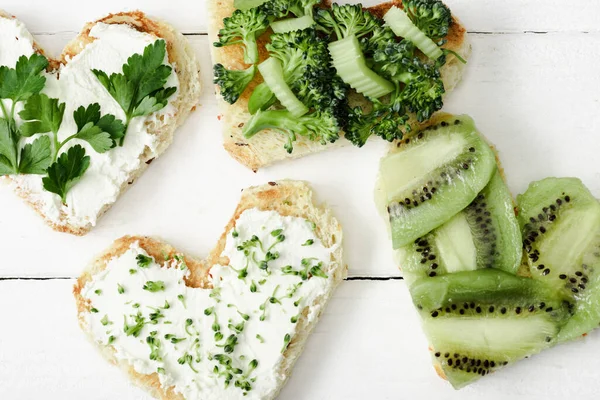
530	100
367	345
478	16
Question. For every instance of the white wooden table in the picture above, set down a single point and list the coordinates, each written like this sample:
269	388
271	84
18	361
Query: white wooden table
532	88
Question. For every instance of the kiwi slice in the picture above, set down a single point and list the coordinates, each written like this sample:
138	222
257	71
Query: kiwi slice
434	175
479	321
484	235
560	221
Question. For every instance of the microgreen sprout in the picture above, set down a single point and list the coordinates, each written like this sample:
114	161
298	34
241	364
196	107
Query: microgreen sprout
188	324
154	286
216	294
156	316
229	344
98	291
94	310
309	242
120	288
143	261
181	298
187	359
173	339
260	338
135	329
105	321
154	345
253	287
246	317
286	342
132	271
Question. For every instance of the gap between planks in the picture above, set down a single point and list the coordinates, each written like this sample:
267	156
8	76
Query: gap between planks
527	32
67	278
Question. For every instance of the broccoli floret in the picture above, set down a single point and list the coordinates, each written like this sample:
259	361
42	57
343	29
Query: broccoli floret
432	17
345	20
232	82
423	90
321	126
388	121
307	67
298	50
422	85
282	8
243	27
307	70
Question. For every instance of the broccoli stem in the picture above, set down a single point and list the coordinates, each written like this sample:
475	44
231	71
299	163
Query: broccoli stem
402	26
281	120
262	98
250	51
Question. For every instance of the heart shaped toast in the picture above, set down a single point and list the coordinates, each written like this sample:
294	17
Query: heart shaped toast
230	326
83	127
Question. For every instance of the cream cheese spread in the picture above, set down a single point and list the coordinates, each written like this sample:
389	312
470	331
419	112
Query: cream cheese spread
221	343
76	85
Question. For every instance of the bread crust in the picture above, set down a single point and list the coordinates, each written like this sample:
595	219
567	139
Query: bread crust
267	147
289	198
185	66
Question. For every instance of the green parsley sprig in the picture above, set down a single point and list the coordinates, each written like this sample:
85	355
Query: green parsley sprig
140	90
43	116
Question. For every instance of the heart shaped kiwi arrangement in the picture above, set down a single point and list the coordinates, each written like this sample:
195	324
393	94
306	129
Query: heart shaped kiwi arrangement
230	326
491	287
77	131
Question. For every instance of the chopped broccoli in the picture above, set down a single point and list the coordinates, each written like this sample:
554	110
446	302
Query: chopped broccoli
432	17
388	121
243	27
422	83
232	82
308	72
423	90
346	20
282	8
321	126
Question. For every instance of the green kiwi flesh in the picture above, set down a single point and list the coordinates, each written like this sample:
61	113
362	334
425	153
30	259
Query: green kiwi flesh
560	222
479	321
484	235
434	175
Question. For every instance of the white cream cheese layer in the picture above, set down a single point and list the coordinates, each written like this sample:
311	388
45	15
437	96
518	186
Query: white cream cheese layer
75	85
198	339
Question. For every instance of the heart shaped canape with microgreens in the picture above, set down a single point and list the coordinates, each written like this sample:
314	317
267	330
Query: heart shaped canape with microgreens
229	327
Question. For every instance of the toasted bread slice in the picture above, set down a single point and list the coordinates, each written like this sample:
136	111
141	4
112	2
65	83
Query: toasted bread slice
267	147
187	69
287	198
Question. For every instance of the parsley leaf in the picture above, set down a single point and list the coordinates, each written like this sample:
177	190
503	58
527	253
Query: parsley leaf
36	156
66	171
43	114
140	90
24	80
8	152
100	132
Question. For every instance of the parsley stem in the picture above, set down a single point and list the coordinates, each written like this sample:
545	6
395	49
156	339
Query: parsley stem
58	146
12	111
127	120
6	116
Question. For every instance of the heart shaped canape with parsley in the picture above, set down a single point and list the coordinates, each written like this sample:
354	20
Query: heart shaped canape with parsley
77	131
